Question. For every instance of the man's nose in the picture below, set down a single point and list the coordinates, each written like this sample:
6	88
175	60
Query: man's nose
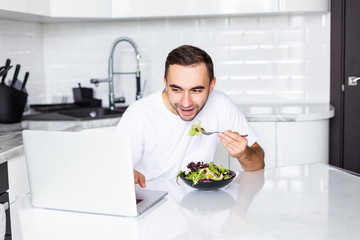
187	102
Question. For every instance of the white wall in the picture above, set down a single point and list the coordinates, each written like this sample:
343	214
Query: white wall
272	59
22	42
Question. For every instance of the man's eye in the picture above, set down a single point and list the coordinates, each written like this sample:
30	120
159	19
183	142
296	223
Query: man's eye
197	90
175	89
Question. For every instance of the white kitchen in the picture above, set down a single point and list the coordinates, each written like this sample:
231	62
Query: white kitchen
282	62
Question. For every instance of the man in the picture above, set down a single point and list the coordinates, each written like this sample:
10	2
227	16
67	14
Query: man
159	124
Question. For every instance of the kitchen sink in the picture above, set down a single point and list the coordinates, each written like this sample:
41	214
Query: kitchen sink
88	113
91	112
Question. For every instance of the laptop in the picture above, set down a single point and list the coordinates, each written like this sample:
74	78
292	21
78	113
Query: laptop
85	172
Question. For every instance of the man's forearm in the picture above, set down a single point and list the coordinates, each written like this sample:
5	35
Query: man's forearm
253	158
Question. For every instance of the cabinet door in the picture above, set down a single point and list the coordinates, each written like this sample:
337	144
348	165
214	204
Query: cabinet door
3	199
80	8
18	177
165	8
303	6
302	142
39	7
4	181
14	5
267	140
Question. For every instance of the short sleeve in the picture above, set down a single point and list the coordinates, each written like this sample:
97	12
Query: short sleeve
131	125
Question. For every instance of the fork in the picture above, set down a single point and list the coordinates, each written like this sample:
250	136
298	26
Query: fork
209	133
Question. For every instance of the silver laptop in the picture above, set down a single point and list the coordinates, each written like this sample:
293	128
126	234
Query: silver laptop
85	172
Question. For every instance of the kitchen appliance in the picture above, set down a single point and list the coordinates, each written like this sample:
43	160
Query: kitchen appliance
86	172
12	100
85	97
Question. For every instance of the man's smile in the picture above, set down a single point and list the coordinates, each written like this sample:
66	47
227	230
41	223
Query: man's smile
187	111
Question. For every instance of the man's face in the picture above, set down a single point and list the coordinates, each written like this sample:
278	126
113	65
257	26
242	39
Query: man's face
188	88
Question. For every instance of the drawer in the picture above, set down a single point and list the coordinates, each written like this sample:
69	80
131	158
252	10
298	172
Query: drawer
4	180
4	198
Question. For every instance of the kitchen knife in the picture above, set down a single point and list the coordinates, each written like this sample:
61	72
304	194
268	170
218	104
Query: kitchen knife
7	65
25	80
17	69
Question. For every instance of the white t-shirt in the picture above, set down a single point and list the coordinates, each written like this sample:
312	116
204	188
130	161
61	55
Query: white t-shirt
160	140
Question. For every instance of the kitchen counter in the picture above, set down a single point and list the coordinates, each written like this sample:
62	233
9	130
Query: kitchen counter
11	140
11	144
287	112
314	201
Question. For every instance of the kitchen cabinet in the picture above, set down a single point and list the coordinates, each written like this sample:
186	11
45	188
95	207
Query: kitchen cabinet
18	186
303	6
125	9
39	7
80	8
59	8
18	177
4	197
164	8
302	142
14	5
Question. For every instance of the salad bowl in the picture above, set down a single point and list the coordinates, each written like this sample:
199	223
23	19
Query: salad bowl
208	185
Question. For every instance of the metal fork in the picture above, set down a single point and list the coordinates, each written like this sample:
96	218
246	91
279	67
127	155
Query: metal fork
209	133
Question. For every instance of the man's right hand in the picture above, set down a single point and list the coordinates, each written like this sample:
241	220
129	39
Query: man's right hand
139	178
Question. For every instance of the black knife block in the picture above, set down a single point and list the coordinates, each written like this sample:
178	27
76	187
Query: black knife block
12	104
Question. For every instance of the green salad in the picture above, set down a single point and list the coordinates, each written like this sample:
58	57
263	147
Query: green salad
205	172
196	128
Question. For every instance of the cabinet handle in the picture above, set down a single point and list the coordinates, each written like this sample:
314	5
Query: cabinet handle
6	205
352	81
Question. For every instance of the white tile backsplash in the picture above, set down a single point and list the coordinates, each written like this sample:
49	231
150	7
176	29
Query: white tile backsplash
22	43
262	58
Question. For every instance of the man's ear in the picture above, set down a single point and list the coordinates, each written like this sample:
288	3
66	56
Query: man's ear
212	84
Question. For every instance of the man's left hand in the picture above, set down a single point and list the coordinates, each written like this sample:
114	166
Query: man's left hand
234	143
251	158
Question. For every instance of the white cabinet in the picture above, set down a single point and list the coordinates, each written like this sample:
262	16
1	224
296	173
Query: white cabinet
18	186
18	177
124	9
303	6
60	8
80	8
165	8
14	5
302	142
38	7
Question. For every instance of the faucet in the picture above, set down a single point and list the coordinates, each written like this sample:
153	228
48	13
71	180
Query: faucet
110	79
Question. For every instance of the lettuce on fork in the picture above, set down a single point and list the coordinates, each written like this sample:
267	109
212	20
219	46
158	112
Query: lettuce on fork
196	128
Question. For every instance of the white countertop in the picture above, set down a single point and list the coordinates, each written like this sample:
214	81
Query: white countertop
301	202
287	112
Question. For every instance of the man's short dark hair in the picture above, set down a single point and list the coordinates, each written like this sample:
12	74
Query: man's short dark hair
187	55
